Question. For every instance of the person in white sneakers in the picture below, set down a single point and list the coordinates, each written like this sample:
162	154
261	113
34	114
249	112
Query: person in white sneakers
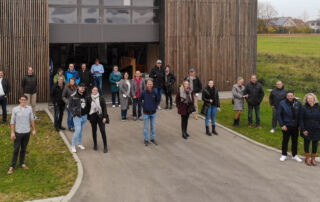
276	96
79	110
288	117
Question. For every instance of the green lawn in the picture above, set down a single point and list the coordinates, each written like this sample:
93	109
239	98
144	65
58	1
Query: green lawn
52	168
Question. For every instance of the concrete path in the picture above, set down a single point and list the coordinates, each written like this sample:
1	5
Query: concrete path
202	168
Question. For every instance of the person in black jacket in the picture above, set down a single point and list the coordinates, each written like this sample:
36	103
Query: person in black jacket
157	74
98	115
196	87
288	116
86	77
254	95
79	110
4	92
310	127
276	96
210	97
29	86
58	103
168	86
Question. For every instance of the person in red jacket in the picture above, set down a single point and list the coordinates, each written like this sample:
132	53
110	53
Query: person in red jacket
185	105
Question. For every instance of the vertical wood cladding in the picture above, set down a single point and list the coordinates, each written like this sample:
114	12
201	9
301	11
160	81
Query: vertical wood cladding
24	41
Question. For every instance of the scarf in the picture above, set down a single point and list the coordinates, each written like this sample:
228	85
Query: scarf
138	86
185	95
95	104
117	73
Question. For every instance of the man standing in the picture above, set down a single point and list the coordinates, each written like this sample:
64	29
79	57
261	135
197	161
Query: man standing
29	86
86	77
21	118
79	110
58	103
4	91
149	99
288	116
72	73
254	95
137	86
97	70
157	74
196	87
276	96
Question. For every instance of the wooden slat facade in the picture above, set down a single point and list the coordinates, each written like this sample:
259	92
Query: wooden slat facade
216	37
24	41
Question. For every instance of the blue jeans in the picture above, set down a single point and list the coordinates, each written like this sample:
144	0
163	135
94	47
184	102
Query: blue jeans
114	95
124	113
212	111
136	102
159	90
79	123
98	82
70	120
3	103
152	119
257	111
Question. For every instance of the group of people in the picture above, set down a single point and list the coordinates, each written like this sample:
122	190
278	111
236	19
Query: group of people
287	111
80	93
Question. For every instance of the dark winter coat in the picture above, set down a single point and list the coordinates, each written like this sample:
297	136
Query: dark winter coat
276	96
5	86
103	108
255	92
183	108
78	104
56	95
29	84
285	115
149	101
157	74
168	83
206	99
86	77
310	121
197	85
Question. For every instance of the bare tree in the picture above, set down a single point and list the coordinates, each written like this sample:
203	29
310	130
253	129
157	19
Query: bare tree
305	16
266	11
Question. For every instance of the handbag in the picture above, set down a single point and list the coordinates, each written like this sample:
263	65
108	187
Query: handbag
204	109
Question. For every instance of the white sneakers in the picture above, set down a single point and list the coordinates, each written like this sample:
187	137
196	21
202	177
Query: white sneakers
74	150
113	106
272	130
283	158
296	157
159	107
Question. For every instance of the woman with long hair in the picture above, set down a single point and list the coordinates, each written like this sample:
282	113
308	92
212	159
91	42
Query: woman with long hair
70	88
124	89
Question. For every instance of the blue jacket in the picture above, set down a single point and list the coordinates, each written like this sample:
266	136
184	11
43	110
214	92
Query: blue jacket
310	121
284	113
149	101
73	74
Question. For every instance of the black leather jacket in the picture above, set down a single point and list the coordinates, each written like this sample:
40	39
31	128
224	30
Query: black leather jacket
77	104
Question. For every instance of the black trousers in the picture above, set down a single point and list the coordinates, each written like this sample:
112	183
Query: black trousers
96	120
113	97
20	144
168	98
314	146
58	115
184	123
293	133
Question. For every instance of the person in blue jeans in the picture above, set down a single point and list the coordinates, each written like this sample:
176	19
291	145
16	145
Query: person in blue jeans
4	92
149	99
97	70
210	97
68	90
79	111
158	75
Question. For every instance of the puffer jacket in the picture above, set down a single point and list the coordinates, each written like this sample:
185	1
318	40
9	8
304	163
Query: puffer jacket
157	74
310	121
276	96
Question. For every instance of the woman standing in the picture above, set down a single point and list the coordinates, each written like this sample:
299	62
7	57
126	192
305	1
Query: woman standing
238	100
124	89
169	80
210	97
70	88
98	116
310	127
114	79
185	105
59	74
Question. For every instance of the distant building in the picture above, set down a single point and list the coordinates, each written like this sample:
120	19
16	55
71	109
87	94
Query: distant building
282	22
314	25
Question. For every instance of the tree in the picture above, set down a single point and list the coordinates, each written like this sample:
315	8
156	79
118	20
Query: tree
266	11
305	16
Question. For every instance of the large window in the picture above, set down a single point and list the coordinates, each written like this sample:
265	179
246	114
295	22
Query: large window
104	11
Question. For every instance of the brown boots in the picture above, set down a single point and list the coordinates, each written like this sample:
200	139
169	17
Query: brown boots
311	162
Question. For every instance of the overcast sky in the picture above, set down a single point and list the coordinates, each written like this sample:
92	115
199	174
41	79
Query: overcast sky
295	8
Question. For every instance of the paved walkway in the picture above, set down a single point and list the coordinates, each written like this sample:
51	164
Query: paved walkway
219	168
